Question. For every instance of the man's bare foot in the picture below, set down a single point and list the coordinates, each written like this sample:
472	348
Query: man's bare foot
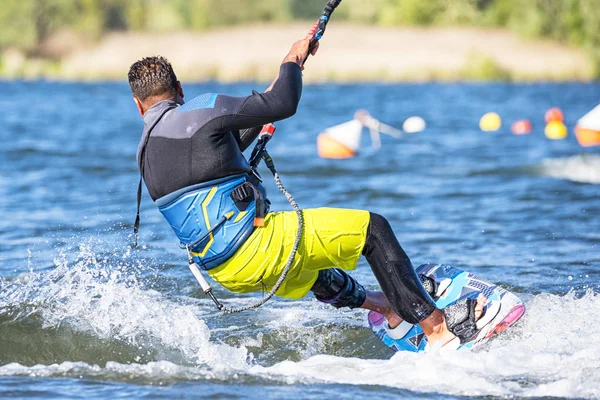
435	327
377	301
393	319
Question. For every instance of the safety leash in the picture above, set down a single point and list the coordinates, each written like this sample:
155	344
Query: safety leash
142	163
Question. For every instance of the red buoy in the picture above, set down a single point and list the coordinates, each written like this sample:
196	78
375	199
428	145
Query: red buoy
554	114
521	127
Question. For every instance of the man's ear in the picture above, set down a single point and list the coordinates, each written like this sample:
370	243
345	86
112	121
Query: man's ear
179	89
139	106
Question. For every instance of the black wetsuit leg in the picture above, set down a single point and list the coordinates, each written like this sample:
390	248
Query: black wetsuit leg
395	273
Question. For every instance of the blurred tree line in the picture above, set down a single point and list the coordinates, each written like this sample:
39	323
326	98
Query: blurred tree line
26	24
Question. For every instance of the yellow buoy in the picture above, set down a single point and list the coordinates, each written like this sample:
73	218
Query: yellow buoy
490	122
556	130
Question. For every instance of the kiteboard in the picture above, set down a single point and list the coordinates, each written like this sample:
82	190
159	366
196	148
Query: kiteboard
453	284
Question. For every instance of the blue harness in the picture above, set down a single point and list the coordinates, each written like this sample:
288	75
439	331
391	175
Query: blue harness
214	218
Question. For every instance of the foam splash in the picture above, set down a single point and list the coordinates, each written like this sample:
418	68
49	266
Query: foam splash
554	351
109	302
580	168
153	372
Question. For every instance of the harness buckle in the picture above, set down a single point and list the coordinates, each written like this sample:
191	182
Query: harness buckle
243	195
256	174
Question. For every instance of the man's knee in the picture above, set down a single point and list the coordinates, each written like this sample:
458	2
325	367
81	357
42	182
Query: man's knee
380	236
378	224
334	286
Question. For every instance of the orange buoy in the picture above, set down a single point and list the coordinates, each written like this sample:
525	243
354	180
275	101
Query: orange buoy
521	127
554	114
587	137
556	130
343	140
340	141
328	147
587	129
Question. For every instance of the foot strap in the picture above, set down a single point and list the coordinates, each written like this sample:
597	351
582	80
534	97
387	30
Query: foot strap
460	318
434	288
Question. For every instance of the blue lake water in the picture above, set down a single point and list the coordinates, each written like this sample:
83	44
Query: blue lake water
82	314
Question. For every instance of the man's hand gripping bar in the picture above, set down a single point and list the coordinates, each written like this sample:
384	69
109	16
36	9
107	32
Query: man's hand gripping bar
318	30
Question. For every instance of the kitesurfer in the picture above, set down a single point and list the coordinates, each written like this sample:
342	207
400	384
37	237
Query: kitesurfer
191	160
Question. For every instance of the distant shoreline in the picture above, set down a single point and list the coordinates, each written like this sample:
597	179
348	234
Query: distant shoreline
349	53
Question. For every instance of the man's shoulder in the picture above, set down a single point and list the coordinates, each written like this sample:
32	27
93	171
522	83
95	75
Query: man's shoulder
215	104
202	102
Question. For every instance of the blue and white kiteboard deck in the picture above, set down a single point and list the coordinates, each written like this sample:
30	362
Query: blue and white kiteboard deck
463	285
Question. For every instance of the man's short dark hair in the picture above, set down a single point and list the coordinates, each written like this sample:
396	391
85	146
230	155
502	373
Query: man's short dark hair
152	76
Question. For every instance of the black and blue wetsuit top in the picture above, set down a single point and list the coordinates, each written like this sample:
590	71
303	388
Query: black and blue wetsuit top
203	139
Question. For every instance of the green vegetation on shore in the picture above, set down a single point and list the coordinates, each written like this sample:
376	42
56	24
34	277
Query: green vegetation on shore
29	26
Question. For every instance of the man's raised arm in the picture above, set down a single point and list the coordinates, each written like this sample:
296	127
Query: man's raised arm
279	101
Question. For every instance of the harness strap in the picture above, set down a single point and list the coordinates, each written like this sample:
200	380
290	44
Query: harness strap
136	224
243	196
202	238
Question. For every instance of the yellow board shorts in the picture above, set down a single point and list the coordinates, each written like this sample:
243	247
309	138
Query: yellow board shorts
332	237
